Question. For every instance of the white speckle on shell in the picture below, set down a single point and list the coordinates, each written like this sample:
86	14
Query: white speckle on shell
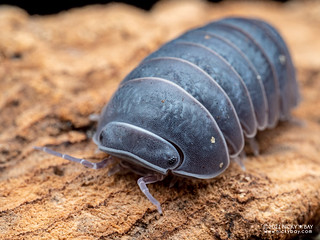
282	59
213	140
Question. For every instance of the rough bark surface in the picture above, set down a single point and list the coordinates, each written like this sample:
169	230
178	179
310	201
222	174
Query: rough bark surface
57	70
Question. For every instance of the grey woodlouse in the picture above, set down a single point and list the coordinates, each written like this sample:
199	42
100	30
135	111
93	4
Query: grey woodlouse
187	108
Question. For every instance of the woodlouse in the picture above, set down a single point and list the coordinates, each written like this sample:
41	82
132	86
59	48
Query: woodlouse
187	108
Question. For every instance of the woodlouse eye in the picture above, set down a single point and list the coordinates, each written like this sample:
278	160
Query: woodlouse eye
172	161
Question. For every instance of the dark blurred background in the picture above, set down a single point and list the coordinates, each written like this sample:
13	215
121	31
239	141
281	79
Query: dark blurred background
51	7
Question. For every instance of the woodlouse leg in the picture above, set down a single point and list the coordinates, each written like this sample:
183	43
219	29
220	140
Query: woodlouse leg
117	168
142	183
254	145
173	181
94	117
97	151
104	163
135	169
240	160
296	121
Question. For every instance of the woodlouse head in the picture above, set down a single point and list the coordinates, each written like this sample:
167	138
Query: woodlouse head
139	146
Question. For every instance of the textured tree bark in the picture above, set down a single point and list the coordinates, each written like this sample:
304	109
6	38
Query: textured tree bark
57	70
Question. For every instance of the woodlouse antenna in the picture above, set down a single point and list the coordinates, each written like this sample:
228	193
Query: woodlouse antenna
104	163
142	183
